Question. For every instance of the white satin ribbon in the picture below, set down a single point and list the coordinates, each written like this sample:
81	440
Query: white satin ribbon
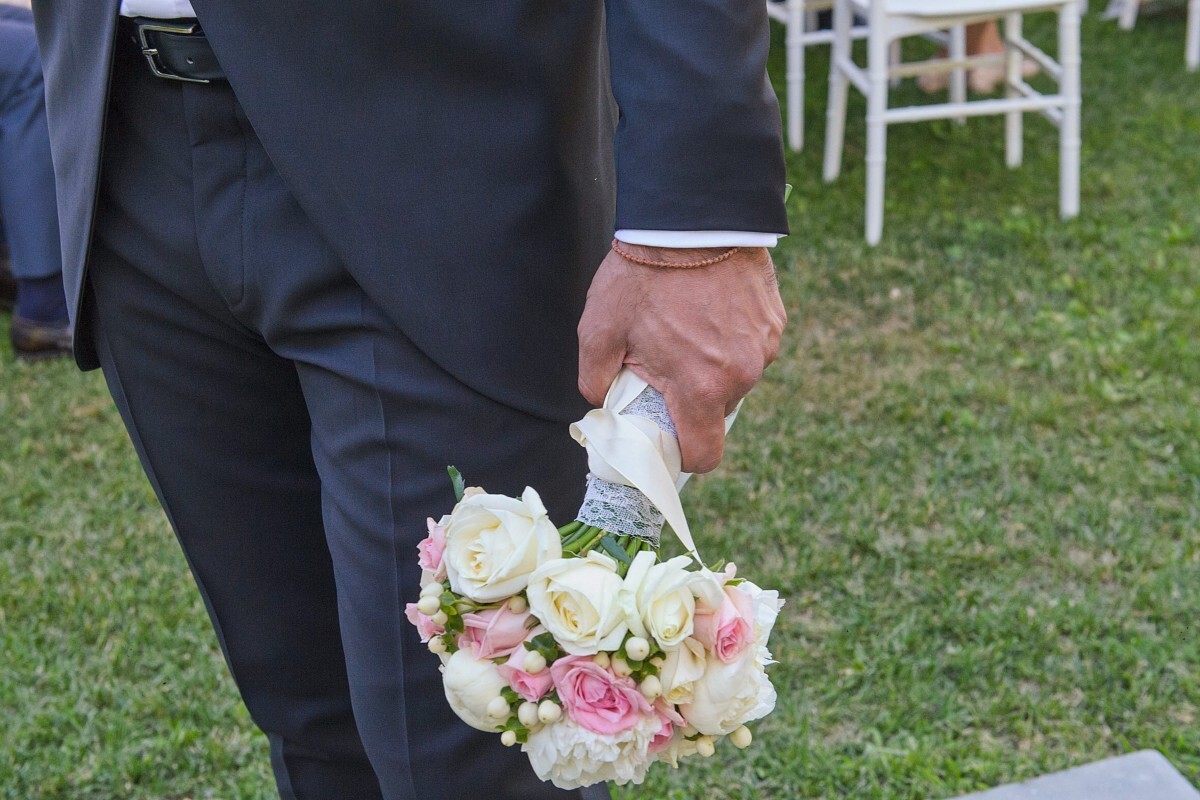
633	451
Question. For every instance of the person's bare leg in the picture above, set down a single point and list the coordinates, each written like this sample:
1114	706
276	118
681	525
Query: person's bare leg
983	38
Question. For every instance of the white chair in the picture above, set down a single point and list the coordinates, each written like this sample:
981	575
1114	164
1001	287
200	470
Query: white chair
1126	12
799	18
1192	53
890	20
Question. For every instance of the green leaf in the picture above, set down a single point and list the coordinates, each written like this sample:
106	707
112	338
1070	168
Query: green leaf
541	641
614	549
456	480
544	643
787	191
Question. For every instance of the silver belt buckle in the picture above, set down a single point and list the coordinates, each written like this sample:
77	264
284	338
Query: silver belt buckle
151	52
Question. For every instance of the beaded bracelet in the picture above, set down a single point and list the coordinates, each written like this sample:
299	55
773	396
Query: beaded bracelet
648	262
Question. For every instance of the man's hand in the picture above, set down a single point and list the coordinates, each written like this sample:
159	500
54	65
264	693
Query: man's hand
701	336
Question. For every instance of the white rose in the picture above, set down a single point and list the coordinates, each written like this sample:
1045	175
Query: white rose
709	589
682	668
494	542
767	606
470	685
572	757
577	600
658	599
728	696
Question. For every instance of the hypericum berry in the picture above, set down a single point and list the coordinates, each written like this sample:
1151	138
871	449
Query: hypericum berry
549	711
429	604
637	648
535	662
527	713
741	738
498	708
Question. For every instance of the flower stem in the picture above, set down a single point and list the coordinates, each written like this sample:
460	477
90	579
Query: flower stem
577	535
632	544
584	541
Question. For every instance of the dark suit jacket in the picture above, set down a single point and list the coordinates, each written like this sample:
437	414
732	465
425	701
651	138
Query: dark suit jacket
459	154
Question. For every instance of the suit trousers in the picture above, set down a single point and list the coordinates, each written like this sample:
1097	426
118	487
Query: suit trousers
297	440
27	201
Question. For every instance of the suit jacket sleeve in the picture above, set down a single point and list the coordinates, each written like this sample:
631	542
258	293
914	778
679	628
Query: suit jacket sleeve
699	144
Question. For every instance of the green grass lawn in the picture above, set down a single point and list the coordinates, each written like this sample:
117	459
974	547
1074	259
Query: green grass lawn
974	472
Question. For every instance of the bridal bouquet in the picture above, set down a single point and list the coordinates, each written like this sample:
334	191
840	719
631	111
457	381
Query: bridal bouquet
578	642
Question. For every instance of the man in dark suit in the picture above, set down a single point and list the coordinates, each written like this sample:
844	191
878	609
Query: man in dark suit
336	247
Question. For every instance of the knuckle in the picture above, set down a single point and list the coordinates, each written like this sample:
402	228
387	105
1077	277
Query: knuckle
745	375
710	389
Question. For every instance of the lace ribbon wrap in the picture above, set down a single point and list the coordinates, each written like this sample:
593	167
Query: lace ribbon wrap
622	509
634	462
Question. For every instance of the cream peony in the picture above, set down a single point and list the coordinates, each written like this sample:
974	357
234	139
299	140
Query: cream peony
658	599
470	685
683	666
577	600
494	542
728	696
571	756
678	748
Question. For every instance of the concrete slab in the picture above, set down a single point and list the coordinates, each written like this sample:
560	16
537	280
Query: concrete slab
1144	775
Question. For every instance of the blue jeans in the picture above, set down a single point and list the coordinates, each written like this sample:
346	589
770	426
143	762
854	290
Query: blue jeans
28	213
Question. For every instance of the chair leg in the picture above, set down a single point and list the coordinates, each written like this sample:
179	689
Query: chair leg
877	100
839	85
958	78
1193	35
1068	56
795	73
1129	12
1013	62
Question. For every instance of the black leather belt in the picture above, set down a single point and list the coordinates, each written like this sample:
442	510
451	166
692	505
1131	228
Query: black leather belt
177	50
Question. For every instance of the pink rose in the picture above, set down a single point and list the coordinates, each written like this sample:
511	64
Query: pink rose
670	719
728	630
531	687
426	627
595	698
494	632
430	550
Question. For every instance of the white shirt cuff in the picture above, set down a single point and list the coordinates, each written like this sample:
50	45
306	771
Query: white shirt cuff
698	238
157	9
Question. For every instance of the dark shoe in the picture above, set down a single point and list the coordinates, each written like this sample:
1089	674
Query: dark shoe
8	285
35	341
